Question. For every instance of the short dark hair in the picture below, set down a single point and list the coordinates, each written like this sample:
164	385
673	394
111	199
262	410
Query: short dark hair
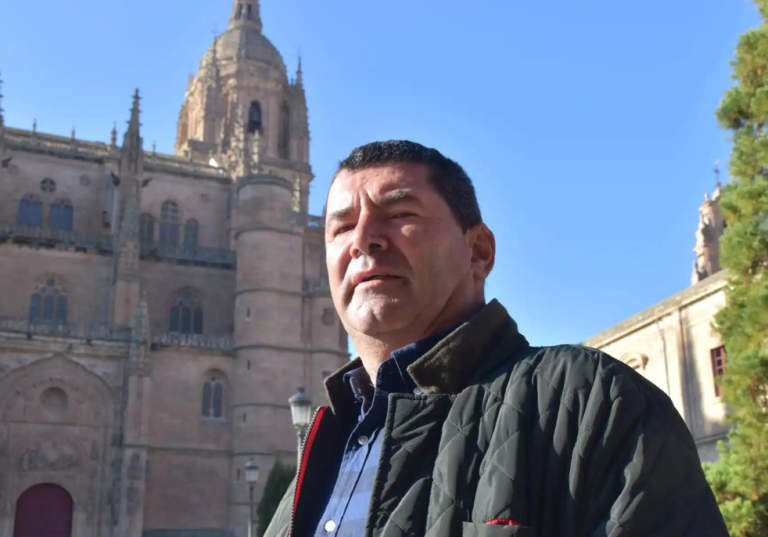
447	176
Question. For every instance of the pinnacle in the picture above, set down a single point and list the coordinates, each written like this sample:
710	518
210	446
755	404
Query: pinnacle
133	124
2	121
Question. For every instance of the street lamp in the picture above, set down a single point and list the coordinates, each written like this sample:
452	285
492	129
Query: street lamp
301	413
252	477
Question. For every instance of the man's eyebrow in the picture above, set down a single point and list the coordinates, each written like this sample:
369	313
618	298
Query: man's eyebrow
398	196
340	214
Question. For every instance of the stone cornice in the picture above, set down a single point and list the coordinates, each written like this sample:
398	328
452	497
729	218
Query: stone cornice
98	152
694	293
264	179
275	290
287	348
286	231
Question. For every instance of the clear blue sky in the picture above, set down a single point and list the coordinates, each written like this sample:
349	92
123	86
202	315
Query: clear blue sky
588	126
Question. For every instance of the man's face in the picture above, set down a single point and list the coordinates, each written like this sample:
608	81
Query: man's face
397	257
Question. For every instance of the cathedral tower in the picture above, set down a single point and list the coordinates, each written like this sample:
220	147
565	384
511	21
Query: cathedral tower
711	227
243	114
242	85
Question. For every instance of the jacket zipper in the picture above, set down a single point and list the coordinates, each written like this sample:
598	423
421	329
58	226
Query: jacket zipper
296	491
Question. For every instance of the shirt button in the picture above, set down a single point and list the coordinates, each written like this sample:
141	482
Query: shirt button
330	526
363	440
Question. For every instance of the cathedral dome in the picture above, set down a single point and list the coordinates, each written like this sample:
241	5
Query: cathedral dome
248	43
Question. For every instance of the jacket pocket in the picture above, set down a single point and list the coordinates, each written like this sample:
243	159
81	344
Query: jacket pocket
476	529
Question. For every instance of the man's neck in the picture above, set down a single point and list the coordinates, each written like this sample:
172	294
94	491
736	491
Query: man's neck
375	350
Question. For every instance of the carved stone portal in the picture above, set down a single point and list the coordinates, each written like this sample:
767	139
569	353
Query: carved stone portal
50	456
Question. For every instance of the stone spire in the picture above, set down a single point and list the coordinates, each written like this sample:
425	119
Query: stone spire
299	75
246	12
132	143
2	120
212	71
113	136
2	124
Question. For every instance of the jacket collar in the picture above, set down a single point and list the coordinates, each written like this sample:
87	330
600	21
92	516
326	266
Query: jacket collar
475	347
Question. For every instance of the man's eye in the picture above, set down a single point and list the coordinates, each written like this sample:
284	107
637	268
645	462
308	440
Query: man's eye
402	215
343	229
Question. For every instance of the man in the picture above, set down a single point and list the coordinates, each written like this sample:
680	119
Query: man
450	423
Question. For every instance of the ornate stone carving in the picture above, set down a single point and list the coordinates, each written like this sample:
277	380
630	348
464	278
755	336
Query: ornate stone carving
50	456
135	468
329	317
223	343
133	499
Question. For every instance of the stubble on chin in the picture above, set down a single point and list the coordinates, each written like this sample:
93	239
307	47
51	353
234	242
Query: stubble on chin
376	315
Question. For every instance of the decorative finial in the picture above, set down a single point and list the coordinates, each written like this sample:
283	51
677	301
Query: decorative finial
299	73
34	126
73	134
716	169
2	120
154	148
113	138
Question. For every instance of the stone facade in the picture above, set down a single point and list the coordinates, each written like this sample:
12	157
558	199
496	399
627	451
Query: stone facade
673	343
159	310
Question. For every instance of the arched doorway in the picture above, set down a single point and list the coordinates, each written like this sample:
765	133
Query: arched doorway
44	511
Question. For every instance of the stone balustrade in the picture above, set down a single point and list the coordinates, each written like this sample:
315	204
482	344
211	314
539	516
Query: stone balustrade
56	237
198	341
197	255
107	333
64	329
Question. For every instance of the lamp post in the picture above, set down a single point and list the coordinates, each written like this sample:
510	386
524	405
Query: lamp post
301	413
252	477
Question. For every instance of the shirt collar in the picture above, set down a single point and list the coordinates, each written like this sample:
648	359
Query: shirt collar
392	376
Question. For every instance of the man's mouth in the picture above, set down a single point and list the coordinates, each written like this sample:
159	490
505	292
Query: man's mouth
378	277
372	277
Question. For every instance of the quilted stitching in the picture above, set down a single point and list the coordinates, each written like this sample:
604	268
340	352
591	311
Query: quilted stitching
531	427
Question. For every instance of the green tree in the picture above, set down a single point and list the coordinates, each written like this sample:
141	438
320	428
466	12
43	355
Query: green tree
740	478
279	480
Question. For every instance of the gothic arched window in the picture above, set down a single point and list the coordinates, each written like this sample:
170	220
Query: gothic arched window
191	229
169	224
61	215
213	397
254	117
49	302
30	211
284	147
147	228
186	315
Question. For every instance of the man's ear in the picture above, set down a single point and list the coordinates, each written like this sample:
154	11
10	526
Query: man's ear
482	245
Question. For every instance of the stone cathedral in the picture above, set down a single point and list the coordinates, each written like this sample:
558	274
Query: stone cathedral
673	343
159	310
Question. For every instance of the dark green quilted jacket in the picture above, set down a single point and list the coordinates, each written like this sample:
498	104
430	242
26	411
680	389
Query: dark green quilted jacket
508	439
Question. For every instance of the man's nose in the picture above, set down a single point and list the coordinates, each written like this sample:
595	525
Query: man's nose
368	237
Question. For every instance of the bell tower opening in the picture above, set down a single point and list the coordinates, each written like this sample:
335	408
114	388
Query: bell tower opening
254	117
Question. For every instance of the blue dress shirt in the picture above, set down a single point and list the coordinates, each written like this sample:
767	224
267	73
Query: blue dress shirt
346	510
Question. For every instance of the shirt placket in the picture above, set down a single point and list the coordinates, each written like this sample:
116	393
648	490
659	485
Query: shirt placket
356	453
